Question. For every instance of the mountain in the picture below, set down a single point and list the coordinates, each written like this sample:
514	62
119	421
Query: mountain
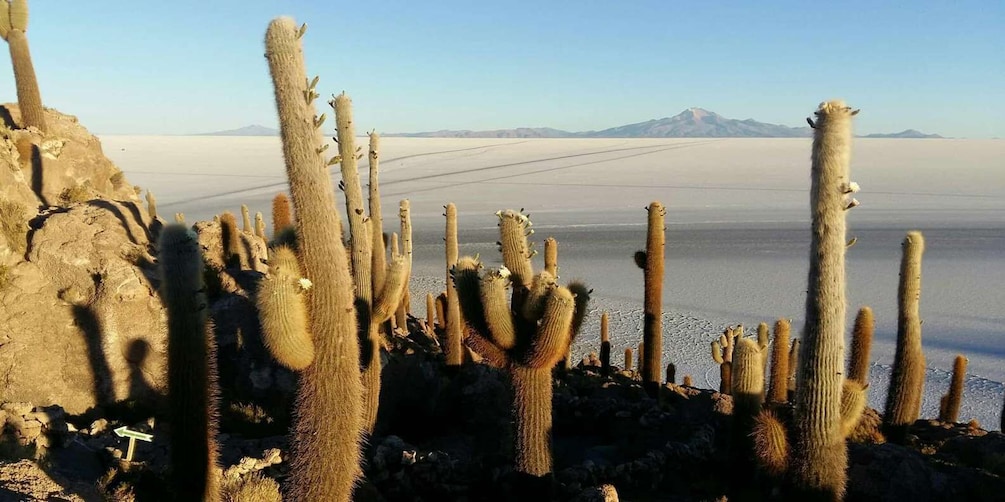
251	130
908	133
691	123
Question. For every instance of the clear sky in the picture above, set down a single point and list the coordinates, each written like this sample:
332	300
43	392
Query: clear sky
185	66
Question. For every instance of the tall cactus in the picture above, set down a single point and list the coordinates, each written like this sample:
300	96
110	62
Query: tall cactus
192	387
453	350
405	217
13	26
325	438
861	346
376	217
903	401
652	263
526	341
779	389
820	454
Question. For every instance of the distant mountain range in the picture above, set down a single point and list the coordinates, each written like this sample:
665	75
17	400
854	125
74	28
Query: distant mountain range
691	123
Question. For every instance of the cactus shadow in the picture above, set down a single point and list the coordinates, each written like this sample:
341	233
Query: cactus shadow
7	118
36	174
112	208
90	327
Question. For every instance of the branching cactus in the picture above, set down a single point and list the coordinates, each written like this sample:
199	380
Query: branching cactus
13	26
722	354
528	336
325	437
903	401
820	456
861	345
192	386
651	261
949	406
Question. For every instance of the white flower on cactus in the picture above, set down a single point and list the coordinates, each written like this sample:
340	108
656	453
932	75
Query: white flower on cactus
305	283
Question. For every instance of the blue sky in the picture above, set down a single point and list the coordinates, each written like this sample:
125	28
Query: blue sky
127	67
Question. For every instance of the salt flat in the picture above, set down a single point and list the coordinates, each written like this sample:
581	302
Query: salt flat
737	237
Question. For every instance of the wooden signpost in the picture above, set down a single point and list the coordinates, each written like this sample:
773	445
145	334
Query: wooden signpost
133	436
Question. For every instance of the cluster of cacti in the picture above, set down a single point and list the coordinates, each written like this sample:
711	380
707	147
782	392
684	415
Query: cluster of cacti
903	401
722	354
13	25
651	261
192	386
527	331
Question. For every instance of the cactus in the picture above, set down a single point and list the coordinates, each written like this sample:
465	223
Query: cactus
605	346
376	217
949	411
383	308
722	354
527	341
151	200
441	311
903	401
779	388
551	256
430	314
652	263
283	312
747	379
793	366
325	438
246	219
192	388
763	340
13	26
405	215
861	345
230	240
771	444
820	456
260	226
282	215
671	373
853	401
628	359
453	350
687	381
179	217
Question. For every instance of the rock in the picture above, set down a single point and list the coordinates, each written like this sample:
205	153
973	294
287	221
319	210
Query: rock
252	251
603	493
17	409
96	330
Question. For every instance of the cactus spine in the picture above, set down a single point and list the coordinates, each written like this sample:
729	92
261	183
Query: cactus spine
820	455
192	390
13	26
653	312
453	350
903	401
949	411
325	440
283	313
530	343
779	389
861	345
605	346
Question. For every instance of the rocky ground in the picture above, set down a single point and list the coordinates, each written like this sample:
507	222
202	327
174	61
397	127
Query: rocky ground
443	437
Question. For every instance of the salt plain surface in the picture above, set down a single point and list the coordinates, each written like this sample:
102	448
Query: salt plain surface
737	229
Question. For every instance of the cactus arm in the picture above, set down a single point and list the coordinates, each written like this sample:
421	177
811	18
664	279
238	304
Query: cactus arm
861	345
496	308
281	214
551	341
551	256
581	293
953	399
282	311
853	401
533	306
468	287
405	215
513	229
379	263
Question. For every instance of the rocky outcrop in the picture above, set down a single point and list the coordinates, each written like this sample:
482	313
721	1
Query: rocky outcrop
80	321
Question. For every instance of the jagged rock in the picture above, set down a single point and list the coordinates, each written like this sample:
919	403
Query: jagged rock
80	321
